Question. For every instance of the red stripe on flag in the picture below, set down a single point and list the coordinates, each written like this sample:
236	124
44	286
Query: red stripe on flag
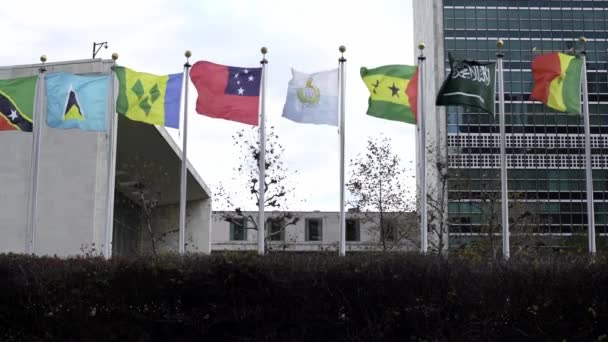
545	68
5	124
211	80
412	94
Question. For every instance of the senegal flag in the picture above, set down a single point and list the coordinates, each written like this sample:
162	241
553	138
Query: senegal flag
557	81
393	91
17	103
149	98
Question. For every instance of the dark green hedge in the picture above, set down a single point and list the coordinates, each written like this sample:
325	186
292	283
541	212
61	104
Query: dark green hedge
365	297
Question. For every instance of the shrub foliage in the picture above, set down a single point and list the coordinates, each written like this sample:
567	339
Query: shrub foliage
306	297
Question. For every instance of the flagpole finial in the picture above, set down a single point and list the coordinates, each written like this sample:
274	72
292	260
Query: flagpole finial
42	60
499	46
583	41
264	51
421	47
114	56
342	49
187	54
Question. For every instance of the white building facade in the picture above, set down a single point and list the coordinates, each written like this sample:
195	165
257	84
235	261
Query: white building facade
318	231
79	201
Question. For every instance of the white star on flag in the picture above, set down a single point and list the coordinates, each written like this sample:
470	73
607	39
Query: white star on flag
246	71
236	75
238	82
241	90
250	78
13	116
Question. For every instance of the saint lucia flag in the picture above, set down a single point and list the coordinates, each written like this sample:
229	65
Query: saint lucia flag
75	101
313	98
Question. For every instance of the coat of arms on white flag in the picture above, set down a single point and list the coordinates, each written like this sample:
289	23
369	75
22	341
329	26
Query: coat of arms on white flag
313	98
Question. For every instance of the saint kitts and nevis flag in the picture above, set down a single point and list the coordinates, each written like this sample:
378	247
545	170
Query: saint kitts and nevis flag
393	91
17	103
149	98
557	81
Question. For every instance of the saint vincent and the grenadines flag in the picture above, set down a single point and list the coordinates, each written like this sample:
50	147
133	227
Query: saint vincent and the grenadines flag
557	81
393	92
75	101
17	103
149	98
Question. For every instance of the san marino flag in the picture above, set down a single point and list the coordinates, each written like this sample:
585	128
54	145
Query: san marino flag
313	98
75	101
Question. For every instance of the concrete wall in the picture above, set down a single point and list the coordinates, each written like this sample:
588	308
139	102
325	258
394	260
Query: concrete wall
165	219
428	29
71	206
72	182
295	235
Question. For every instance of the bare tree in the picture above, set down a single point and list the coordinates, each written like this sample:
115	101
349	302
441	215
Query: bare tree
277	179
377	185
143	190
438	223
484	197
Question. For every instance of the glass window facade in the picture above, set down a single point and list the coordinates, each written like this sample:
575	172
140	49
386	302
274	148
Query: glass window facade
545	148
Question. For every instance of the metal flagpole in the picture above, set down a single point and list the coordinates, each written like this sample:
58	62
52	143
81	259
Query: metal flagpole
37	126
262	161
112	130
588	164
422	152
184	174
504	200
342	61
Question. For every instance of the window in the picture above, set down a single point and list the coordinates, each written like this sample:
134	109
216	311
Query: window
274	229
237	230
352	230
314	229
389	230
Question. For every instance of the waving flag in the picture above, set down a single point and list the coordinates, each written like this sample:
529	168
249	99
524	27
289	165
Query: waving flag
313	98
149	98
470	83
17	103
393	92
227	92
75	101
557	81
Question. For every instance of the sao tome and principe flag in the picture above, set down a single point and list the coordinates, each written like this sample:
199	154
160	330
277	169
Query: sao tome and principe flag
393	92
227	92
312	98
75	101
17	103
149	98
557	81
470	83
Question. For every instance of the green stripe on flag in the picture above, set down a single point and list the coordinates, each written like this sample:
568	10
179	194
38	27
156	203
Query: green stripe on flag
122	104
391	111
400	71
572	86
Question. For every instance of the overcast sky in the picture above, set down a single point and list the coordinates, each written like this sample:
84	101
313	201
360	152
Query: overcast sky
152	36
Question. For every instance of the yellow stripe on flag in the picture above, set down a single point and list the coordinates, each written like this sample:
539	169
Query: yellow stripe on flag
556	87
146	97
387	88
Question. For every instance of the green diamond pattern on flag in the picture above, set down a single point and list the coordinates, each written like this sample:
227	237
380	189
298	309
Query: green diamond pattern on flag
470	83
